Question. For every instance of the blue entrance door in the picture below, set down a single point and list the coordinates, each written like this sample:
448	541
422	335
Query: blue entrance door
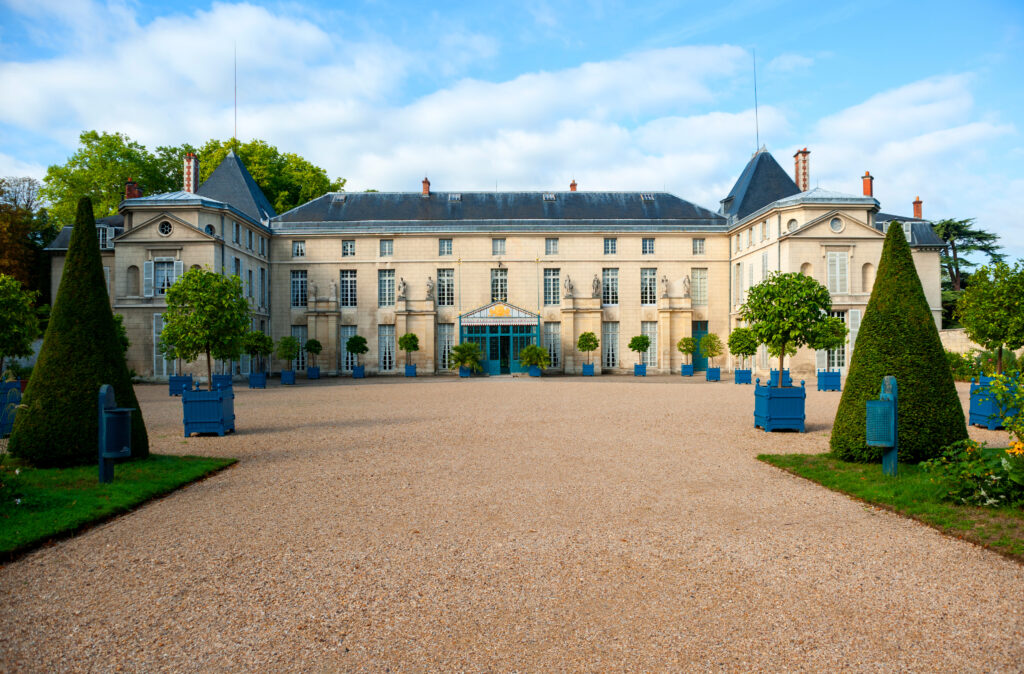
700	361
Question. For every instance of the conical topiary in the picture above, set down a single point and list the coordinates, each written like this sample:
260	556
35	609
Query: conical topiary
81	351
898	337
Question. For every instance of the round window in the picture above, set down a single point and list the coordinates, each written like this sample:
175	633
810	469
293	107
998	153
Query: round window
164	228
210	230
791	225
836	224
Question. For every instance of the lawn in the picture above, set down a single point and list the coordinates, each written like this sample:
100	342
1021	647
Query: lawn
912	494
37	506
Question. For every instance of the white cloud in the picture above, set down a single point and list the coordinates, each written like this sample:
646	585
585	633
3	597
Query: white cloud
12	166
787	63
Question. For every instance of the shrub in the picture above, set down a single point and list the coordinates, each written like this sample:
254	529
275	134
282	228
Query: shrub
975	474
466	354
587	343
409	342
711	346
898	337
963	366
58	425
989	362
356	345
18	318
287	350
313	347
639	344
742	343
534	356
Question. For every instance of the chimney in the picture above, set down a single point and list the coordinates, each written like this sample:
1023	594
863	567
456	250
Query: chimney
191	173
426	187
572	186
917	208
131	190
869	184
802	177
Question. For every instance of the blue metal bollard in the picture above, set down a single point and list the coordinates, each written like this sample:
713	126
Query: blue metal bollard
881	424
115	432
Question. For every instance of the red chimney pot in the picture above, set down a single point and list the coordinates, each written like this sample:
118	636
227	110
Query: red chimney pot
426	187
869	186
572	186
917	208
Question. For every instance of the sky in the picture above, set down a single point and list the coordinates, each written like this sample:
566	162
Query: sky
529	95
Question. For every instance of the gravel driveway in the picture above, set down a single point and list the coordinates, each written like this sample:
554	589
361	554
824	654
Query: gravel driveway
507	524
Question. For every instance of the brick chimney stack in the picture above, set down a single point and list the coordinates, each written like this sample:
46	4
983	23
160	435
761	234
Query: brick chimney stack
869	184
572	186
426	187
917	208
191	173
131	190
803	169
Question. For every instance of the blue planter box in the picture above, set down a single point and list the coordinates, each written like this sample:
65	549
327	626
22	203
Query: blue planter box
288	377
742	376
774	378
257	380
588	369
777	409
410	370
984	410
208	411
828	381
176	383
687	370
713	374
313	372
358	371
640	370
221	381
10	398
465	371
534	371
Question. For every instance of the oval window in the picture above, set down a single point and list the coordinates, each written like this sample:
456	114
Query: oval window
164	228
836	224
210	230
791	225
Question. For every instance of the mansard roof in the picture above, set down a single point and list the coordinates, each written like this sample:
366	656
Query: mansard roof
498	211
232	184
921	231
762	182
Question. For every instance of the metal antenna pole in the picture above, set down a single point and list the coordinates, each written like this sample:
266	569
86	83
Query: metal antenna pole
234	137
757	125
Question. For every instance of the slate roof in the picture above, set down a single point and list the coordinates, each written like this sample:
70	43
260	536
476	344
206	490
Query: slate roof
921	232
497	211
762	182
232	184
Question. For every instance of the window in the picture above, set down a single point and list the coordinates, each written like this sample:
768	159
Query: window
551	283
236	267
791	225
699	291
133	281
348	360
750	237
549	196
648	286
163	275
387	247
553	342
497	246
737	240
299	288
454	196
263	246
106	276
161	365
609	344
906	231
236	232
300	333
764	266
837	272
444	246
248	283
386	347
698	246
650	328
499	285
836	224
210	230
646	196
298	249
609	286
647	247
737	283
445	340
551	246
248	239
347	288
609	246
348	248
445	287
386	287
263	287
837	358
750	275
764	230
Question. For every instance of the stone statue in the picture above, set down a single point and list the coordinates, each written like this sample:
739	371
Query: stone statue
334	290
402	287
597	286
664	285
569	287
430	287
686	286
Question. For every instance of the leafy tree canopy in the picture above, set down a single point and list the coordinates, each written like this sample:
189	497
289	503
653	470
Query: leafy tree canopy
687	346
711	346
742	343
17	318
640	344
963	238
25	229
288	349
587	343
992	308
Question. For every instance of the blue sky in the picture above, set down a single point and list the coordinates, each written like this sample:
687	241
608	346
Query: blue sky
529	95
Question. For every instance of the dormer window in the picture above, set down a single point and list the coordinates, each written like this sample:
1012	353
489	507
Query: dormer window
549	196
101	232
906	231
454	197
646	196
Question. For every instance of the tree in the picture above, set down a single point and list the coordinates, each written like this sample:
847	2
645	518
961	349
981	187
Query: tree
789	311
258	346
206	314
742	343
639	344
80	352
313	347
25	229
962	238
587	343
687	346
356	345
711	346
898	337
287	350
992	308
408	342
18	319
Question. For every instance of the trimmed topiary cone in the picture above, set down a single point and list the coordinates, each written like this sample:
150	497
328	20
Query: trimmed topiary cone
81	351
898	337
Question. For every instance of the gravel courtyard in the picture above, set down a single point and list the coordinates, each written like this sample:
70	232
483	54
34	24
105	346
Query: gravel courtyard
507	524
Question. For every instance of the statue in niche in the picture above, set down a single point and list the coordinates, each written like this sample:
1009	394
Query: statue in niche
430	287
568	286
686	286
402	287
664	285
597	286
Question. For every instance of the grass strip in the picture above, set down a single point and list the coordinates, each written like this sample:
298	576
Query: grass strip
913	494
39	505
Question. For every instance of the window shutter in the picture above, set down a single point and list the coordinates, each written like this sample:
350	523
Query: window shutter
842	260
147	278
854	327
821	359
179	269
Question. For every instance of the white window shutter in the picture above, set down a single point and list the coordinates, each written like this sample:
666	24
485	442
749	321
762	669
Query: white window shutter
821	359
110	237
842	260
179	269
147	278
854	328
